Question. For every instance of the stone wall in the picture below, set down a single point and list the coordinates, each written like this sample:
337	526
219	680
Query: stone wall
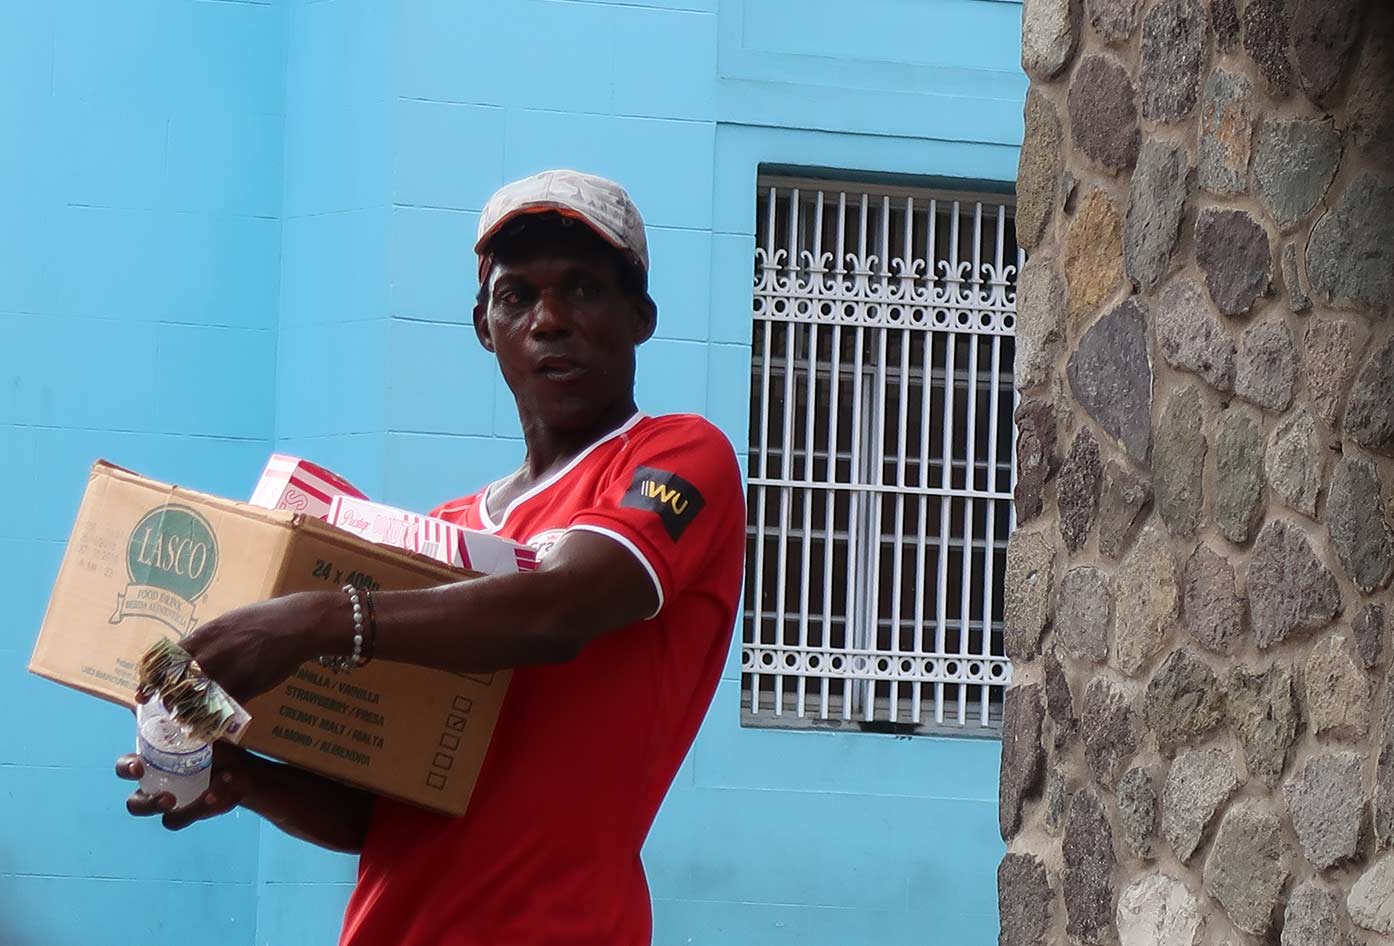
1199	740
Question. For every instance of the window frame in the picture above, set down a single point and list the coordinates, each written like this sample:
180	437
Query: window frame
869	283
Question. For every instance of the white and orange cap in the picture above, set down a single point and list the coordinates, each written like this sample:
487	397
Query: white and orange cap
600	204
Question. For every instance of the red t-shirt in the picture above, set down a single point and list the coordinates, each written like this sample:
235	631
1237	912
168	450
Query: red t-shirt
584	751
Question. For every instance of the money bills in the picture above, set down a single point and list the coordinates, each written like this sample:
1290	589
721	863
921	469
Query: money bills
200	707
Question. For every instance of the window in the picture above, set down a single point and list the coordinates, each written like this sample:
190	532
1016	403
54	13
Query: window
881	458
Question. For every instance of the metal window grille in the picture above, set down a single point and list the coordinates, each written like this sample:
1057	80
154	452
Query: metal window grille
882	458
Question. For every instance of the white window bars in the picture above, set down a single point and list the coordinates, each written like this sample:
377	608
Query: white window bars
881	458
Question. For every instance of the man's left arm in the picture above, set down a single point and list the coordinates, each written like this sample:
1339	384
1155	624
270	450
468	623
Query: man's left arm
587	586
612	569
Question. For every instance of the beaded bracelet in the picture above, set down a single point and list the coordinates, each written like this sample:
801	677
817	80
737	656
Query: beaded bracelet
356	659
370	648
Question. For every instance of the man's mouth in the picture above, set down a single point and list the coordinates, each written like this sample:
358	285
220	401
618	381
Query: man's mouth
559	369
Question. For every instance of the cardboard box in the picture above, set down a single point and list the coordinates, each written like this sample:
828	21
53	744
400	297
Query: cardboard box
445	541
146	559
300	486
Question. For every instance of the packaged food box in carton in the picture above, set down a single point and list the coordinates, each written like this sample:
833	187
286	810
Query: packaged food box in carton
452	544
146	559
300	486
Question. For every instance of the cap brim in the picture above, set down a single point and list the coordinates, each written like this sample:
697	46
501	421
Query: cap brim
544	207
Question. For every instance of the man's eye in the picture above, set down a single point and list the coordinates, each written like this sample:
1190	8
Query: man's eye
510	298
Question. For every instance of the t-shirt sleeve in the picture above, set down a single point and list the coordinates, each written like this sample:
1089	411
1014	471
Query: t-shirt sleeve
456	510
674	493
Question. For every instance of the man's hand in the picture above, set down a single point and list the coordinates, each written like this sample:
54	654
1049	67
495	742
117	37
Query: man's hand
251	649
306	806
230	781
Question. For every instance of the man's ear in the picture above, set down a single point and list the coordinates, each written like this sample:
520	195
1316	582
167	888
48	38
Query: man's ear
645	319
481	326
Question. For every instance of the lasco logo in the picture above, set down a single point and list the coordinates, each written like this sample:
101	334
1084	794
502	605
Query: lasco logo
171	560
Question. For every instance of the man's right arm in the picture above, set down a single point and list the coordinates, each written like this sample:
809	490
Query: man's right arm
303	805
309	807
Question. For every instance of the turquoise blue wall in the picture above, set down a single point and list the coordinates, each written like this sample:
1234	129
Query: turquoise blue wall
140	193
233	225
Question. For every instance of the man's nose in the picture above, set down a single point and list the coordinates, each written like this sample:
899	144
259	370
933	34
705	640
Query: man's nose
552	315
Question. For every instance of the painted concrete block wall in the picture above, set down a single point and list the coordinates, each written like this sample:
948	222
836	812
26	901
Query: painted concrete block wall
140	189
331	370
767	837
296	271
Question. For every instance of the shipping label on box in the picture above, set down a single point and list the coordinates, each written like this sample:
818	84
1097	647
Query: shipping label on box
147	560
300	486
436	538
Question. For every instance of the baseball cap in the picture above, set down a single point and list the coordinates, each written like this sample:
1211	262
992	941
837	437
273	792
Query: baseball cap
600	204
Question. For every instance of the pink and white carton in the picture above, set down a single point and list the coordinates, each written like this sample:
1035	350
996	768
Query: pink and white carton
492	555
300	486
436	538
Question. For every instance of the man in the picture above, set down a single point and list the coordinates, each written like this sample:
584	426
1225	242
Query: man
619	636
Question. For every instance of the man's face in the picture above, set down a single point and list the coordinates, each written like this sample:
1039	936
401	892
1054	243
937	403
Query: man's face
564	330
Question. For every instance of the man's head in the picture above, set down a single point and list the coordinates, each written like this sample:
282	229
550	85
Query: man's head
563	296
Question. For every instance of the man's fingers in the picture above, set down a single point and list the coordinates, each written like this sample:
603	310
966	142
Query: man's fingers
209	806
143	806
181	819
229	777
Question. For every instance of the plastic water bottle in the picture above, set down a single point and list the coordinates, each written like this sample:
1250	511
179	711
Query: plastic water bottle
174	762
